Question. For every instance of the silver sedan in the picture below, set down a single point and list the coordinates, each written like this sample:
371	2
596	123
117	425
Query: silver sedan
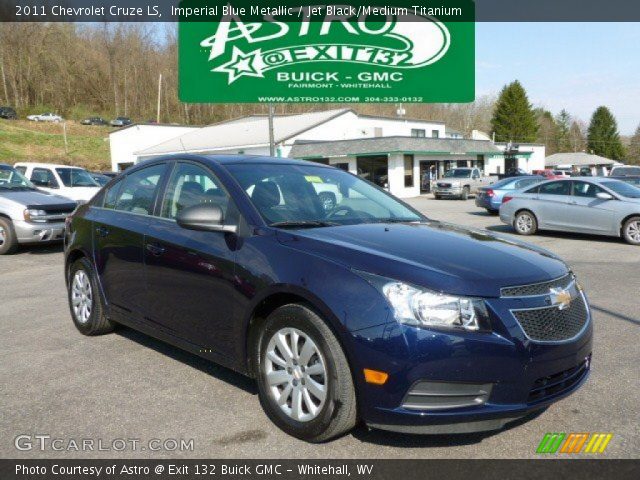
598	205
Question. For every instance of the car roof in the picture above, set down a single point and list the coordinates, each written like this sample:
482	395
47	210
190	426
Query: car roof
236	160
44	165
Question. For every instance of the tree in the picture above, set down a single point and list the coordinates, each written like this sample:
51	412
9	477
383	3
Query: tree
633	154
577	139
547	130
514	119
602	137
563	124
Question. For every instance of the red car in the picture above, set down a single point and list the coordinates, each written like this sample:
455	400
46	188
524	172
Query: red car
548	173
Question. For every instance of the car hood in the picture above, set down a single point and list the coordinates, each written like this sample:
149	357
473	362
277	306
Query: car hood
81	193
435	255
35	198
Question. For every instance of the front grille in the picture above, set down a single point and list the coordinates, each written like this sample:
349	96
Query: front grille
559	382
537	288
550	324
444	185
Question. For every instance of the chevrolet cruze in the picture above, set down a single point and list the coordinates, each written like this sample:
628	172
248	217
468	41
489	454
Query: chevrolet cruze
356	310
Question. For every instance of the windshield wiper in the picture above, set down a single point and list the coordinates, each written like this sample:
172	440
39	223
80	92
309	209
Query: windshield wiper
303	224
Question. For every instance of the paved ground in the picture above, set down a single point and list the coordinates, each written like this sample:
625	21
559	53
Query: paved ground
128	386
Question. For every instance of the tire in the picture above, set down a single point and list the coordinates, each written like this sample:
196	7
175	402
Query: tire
465	193
525	223
83	289
334	415
631	231
436	196
328	200
490	211
8	240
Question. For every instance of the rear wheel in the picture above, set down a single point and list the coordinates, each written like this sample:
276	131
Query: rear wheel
631	231
304	380
525	223
8	240
491	211
87	309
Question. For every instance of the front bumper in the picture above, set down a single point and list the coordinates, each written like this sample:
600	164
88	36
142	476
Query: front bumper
27	232
508	367
447	192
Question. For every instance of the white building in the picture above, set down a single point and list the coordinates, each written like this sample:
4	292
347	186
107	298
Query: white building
524	156
398	153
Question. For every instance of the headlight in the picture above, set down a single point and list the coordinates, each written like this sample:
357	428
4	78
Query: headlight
421	307
32	214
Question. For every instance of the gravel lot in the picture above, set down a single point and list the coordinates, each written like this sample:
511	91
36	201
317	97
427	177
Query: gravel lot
128	386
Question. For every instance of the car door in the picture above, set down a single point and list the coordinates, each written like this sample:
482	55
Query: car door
44	179
588	213
118	230
551	205
190	274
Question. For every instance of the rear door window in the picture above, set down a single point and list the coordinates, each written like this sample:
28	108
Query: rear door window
555	188
139	191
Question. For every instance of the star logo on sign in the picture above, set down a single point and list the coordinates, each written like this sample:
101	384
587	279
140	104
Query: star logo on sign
241	65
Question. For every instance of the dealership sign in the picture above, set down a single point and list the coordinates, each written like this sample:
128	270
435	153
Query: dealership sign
327	53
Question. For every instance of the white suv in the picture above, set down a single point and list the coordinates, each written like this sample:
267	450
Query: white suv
71	182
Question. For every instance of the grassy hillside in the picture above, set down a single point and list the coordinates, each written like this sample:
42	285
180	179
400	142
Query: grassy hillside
29	141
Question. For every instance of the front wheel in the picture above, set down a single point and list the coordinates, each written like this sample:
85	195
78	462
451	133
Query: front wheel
87	309
465	193
304	380
8	240
631	231
525	223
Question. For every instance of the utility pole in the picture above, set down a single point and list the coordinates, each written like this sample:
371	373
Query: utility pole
159	95
272	146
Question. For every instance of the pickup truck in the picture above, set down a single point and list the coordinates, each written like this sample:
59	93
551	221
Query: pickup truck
29	215
460	183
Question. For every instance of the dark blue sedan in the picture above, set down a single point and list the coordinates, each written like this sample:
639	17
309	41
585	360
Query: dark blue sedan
490	198
355	310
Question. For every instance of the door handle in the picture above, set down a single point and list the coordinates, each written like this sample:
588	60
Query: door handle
102	231
155	249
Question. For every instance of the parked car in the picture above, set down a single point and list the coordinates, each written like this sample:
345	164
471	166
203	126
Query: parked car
94	121
28	215
630	179
599	206
120	122
625	170
490	198
562	173
514	172
548	174
100	178
369	311
46	117
72	182
8	113
460	183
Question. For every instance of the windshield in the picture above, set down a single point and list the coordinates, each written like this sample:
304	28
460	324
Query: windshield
622	188
76	177
10	178
458	173
309	196
626	171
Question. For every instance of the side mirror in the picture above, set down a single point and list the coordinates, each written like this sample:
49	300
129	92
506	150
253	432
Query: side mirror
206	217
604	196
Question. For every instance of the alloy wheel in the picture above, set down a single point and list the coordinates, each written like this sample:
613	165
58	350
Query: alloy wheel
3	236
524	223
81	296
296	374
633	231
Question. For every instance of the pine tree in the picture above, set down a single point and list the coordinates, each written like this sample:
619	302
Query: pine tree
633	155
602	137
563	125
514	119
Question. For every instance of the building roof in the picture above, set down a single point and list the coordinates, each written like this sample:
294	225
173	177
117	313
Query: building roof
576	158
147	124
384	145
251	131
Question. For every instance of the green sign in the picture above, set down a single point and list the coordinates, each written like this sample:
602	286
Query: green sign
338	54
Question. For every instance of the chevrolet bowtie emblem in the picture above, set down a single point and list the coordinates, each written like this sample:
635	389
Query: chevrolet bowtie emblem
560	298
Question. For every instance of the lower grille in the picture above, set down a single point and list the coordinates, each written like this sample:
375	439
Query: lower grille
441	395
551	324
560	382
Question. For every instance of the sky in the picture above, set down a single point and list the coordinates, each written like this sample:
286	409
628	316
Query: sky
576	66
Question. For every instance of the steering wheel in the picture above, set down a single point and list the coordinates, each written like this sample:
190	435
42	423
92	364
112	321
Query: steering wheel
340	208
